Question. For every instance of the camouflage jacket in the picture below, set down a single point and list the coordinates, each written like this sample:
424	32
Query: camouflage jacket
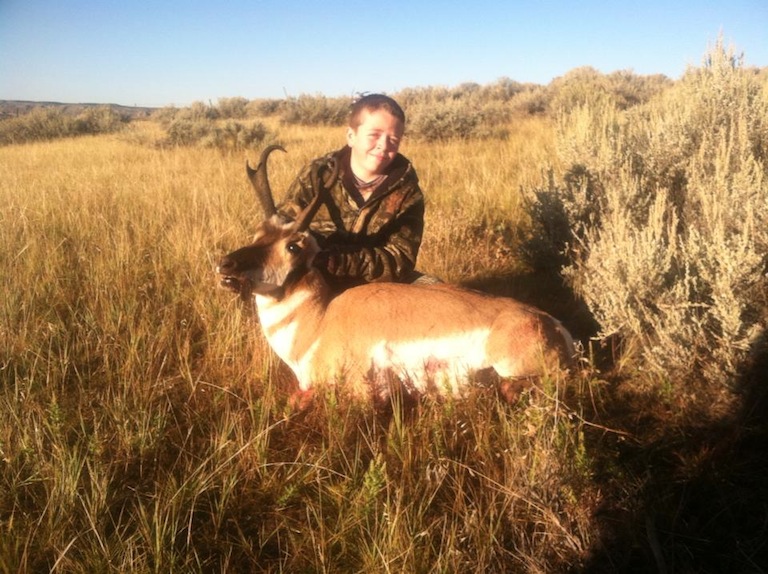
378	241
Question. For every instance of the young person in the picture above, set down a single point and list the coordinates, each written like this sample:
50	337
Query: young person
370	224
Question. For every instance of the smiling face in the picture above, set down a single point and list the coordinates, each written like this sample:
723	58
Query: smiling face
374	143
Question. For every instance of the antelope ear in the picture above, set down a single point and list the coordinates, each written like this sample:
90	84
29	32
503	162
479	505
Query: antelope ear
308	242
262	229
279	220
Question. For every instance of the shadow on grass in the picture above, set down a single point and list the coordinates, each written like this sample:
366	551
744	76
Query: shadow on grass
688	492
684	483
544	290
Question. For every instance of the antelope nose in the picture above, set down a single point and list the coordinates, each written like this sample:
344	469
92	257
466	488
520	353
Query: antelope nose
226	265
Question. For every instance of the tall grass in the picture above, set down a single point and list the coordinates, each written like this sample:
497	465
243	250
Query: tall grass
145	424
474	200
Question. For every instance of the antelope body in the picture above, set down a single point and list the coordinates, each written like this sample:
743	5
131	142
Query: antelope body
428	338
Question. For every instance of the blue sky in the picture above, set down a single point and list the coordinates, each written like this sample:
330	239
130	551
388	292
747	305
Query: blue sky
170	52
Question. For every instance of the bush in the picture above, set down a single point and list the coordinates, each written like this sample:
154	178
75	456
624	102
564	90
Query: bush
666	221
264	108
444	120
165	115
531	101
99	120
226	108
468	110
232	108
234	135
52	123
183	132
316	111
195	112
583	86
230	135
455	119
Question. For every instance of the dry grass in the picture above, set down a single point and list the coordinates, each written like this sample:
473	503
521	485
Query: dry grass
144	424
474	198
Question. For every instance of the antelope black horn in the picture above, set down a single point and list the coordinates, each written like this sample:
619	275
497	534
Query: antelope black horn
320	186
260	181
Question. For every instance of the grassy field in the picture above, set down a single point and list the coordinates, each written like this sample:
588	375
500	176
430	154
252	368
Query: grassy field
144	424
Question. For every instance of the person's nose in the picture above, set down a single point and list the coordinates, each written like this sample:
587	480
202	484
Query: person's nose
385	143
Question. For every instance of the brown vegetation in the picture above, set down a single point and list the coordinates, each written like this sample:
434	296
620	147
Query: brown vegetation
145	425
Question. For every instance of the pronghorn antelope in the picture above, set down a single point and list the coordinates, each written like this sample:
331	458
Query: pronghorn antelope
427	338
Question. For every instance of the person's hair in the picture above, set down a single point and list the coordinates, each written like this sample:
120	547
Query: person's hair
372	103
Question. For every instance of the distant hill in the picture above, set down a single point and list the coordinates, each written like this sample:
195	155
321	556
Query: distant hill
13	108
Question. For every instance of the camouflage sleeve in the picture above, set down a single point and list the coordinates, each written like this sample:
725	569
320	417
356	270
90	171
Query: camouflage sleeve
390	255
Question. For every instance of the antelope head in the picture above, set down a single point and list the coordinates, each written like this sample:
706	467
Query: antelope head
281	250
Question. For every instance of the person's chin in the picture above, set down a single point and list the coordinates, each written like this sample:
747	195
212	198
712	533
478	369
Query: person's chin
378	165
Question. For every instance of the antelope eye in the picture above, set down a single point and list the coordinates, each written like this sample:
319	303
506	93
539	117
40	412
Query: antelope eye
293	248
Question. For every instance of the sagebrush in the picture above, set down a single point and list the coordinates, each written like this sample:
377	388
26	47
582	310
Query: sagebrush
662	215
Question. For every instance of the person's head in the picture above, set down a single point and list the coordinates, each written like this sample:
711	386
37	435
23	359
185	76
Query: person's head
376	126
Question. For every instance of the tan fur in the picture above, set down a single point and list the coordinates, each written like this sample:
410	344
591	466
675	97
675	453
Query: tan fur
428	338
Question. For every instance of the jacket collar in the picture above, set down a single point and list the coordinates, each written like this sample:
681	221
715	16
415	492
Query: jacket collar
397	171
